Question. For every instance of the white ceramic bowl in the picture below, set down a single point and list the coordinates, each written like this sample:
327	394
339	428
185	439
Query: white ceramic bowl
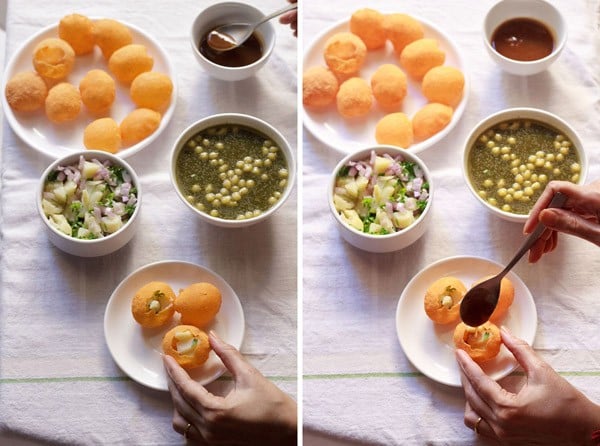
388	242
539	10
100	246
242	120
231	12
520	113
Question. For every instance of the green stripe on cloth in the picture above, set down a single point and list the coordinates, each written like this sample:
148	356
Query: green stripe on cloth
418	375
66	379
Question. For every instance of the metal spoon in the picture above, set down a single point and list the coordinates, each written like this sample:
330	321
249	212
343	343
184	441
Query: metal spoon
480	301
232	35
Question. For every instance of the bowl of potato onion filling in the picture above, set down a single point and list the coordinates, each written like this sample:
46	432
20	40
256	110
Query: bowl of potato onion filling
89	202
232	170
512	155
381	198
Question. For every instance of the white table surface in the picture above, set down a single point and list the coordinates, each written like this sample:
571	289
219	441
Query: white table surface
358	385
58	382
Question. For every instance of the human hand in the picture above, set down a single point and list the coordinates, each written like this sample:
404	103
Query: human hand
543	408
291	18
580	216
254	412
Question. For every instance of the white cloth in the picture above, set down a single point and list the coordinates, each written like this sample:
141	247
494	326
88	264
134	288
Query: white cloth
358	385
58	382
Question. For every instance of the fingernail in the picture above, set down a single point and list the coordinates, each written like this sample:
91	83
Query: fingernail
505	329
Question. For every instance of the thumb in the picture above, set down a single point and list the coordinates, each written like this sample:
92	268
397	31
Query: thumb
571	223
521	350
231	357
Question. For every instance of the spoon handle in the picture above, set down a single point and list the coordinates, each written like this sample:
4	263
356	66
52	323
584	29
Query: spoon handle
558	201
276	13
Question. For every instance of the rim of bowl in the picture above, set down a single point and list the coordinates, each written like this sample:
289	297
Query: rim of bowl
360	154
88	154
520	113
235	119
561	39
266	53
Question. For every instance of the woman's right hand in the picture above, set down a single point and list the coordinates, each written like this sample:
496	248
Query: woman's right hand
580	216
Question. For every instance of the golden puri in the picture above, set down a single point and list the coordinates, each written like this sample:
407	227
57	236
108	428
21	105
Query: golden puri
481	343
53	58
345	54
319	87
188	345
395	129
152	305
129	61
367	24
26	92
430	119
77	30
389	86
98	91
198	303
138	125
354	98
151	90
102	134
442	300
402	29
420	56
443	84
63	103
505	300
110	35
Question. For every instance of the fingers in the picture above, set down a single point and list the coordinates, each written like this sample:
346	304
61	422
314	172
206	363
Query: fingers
571	223
480	426
543	202
547	242
479	388
186	393
180	425
522	351
231	357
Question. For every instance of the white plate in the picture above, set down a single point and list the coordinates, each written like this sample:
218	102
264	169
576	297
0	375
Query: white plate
349	135
137	351
57	140
430	347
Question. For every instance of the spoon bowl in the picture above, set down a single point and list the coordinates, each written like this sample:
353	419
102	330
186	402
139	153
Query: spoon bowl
480	301
232	35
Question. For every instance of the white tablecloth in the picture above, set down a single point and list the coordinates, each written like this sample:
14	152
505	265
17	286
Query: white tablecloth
58	382
358	385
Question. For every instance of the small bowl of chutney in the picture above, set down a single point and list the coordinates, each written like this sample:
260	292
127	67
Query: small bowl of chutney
524	37
238	63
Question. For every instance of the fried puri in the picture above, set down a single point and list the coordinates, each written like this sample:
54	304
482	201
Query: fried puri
420	56
345	54
430	119
98	91
367	24
152	305
442	300
319	87
102	134
110	35
129	61
198	303
354	98
394	129
402	29
53	58
63	103
443	84
389	86
26	92
138	125
188	345
151	90
481	343
505	300
77	30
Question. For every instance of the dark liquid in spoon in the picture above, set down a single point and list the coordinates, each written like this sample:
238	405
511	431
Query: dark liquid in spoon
523	39
481	305
245	54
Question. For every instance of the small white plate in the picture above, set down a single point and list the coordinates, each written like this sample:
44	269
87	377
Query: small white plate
57	140
137	350
430	347
349	135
